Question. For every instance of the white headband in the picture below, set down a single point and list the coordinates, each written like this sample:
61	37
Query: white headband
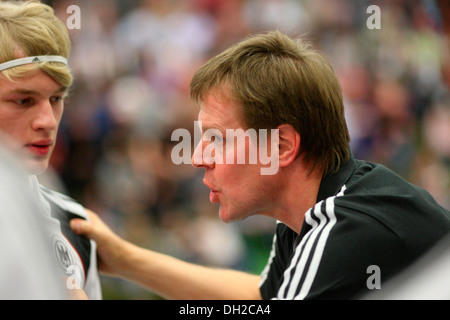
35	59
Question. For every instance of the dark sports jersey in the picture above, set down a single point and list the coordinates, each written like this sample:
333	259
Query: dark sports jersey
366	216
76	255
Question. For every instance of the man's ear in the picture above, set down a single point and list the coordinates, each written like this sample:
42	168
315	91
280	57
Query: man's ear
289	144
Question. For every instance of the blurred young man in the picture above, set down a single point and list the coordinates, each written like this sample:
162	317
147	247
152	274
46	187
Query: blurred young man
34	79
338	218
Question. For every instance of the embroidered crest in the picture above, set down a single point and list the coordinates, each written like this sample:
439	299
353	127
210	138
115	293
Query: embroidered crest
62	254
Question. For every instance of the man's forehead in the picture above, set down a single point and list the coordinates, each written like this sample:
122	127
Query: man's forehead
36	83
219	109
219	113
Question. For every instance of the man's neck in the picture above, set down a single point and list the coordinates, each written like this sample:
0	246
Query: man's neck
299	194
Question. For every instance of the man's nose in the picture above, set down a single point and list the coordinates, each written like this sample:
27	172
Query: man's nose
198	159
45	117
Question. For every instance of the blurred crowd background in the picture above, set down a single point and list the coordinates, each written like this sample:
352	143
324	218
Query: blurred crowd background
133	61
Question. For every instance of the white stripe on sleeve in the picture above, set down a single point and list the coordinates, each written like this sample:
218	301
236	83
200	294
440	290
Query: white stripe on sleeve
305	251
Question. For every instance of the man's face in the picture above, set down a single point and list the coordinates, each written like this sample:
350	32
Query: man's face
30	112
240	189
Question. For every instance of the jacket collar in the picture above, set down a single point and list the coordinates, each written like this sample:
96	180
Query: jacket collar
333	182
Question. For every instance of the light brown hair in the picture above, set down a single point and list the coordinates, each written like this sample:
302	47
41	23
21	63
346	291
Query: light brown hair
278	80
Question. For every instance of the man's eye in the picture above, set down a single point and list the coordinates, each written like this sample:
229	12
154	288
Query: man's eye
57	99
24	102
217	138
213	135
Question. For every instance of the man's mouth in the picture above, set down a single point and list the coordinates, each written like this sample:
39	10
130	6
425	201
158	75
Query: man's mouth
41	148
213	194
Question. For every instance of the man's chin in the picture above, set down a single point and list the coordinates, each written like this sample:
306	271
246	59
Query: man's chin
34	167
223	215
227	216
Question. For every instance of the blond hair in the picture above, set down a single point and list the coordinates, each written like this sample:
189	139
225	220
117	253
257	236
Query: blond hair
278	80
32	29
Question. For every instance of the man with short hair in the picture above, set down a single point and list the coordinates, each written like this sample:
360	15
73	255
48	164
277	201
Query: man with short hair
34	79
338	217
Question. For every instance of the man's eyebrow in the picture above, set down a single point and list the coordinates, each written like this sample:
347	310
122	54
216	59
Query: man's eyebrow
212	127
62	90
34	92
23	91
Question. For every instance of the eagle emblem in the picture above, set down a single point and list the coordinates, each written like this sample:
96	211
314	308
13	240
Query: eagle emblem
62	254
